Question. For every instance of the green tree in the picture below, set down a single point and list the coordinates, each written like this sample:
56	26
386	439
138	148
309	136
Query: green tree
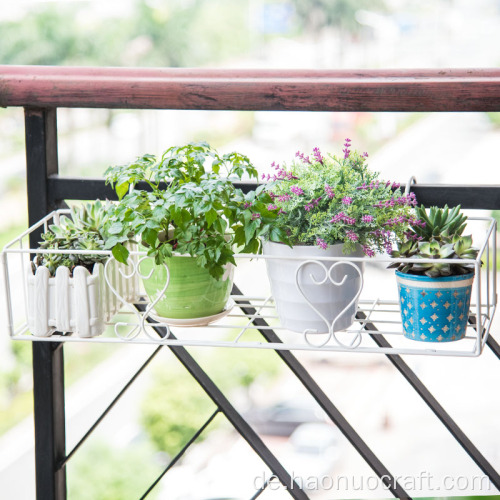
315	15
45	36
101	472
175	406
174	33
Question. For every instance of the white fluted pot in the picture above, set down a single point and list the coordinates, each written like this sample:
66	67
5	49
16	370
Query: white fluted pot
81	303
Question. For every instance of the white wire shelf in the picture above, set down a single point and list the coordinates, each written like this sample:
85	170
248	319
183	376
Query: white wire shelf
376	317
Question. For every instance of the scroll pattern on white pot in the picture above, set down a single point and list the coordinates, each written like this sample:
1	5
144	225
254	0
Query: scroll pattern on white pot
284	269
356	337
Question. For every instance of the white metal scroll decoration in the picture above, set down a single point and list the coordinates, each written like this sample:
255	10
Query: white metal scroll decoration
141	317
356	340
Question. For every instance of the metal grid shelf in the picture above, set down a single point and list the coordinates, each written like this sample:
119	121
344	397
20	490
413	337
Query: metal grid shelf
237	328
375	317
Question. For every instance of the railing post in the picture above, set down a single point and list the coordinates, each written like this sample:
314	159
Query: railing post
48	358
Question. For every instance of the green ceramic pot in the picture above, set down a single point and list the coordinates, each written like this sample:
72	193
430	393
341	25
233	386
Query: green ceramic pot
191	293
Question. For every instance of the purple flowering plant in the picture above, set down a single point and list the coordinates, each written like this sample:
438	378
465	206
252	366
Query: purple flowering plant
324	199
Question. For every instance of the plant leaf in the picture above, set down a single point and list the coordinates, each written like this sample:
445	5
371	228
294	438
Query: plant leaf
120	253
122	189
211	216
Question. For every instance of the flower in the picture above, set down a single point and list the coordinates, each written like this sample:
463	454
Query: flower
367	219
305	159
346	149
317	155
368	251
284	197
346	200
329	191
336	218
247	204
296	190
271	207
411	199
352	235
321	243
341	216
255	216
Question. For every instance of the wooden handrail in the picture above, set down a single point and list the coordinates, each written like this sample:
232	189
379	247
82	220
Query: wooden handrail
236	89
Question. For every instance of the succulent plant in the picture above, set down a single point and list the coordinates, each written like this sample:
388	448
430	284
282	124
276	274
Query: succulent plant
439	238
439	223
83	230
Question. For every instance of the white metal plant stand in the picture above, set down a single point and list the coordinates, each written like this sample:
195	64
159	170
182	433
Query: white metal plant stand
136	322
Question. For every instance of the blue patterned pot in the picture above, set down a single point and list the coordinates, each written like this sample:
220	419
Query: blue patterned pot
434	309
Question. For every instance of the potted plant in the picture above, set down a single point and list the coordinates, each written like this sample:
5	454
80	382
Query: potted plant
68	292
435	297
329	206
191	227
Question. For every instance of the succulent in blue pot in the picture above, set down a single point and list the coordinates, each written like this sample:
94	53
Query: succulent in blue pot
435	296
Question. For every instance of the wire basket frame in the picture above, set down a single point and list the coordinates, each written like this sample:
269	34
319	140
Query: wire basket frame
136	321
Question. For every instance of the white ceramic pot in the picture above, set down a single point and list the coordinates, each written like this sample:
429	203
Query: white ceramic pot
81	304
301	302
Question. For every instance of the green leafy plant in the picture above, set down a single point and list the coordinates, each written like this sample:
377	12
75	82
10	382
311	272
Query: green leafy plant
324	200
437	235
197	211
83	230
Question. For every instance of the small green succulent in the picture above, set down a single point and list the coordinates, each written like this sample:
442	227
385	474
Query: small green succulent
438	235
440	223
83	230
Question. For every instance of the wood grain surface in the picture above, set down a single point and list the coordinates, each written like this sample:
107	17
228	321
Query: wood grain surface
231	89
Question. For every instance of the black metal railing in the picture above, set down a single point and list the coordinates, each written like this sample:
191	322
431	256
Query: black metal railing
41	90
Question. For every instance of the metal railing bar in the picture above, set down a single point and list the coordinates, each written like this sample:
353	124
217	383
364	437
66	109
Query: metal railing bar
468	196
490	341
327	405
177	457
233	416
493	345
437	409
108	409
85	188
48	360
